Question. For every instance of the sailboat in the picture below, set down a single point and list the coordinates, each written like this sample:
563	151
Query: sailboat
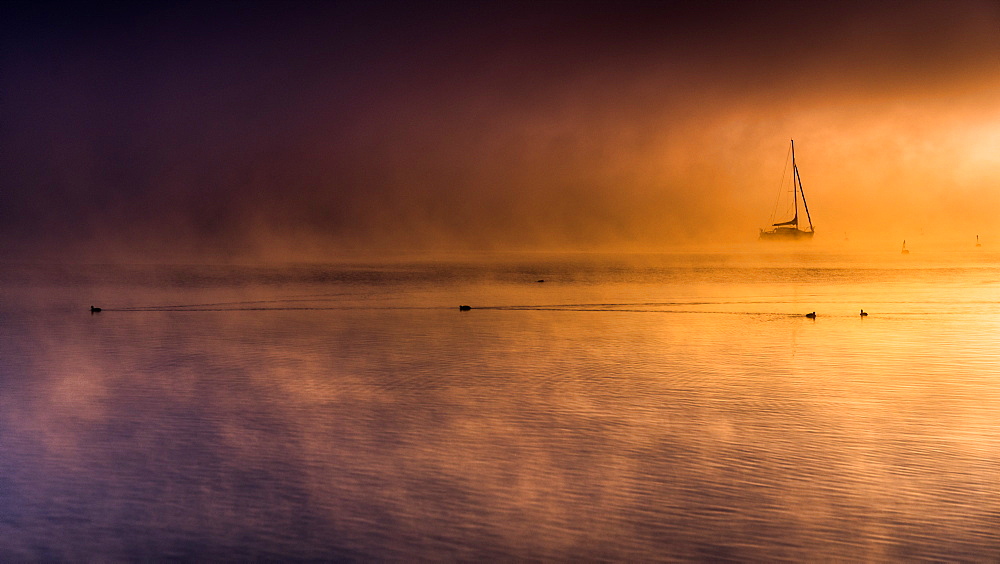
789	230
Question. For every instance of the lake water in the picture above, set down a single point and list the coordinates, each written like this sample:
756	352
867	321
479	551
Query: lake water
641	408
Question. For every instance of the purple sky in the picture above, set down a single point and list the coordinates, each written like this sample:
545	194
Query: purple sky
296	130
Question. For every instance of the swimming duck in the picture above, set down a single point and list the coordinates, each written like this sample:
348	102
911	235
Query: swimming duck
464	308
863	314
811	315
94	309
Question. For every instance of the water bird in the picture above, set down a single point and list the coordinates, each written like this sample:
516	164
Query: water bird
811	315
863	314
464	308
95	309
541	280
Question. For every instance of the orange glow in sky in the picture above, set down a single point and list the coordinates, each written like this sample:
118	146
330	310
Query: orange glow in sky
303	130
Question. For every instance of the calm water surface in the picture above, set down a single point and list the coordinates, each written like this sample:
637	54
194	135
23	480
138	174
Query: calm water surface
650	408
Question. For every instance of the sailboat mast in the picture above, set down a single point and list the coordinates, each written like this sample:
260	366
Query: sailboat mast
798	178
795	188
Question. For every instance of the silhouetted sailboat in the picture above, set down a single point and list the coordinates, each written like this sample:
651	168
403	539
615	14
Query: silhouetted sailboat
789	230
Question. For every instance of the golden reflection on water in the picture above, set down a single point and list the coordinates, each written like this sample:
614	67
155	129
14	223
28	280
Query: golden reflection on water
627	420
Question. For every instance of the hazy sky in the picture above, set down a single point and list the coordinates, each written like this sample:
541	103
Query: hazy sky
288	131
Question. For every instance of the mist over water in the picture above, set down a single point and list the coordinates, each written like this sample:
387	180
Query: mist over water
280	206
629	407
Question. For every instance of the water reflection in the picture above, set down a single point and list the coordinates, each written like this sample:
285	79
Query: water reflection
551	434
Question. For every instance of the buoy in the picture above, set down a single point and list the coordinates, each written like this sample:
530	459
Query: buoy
464	308
863	314
95	309
811	315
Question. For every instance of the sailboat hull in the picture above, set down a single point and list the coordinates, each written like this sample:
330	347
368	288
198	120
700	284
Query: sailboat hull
786	235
